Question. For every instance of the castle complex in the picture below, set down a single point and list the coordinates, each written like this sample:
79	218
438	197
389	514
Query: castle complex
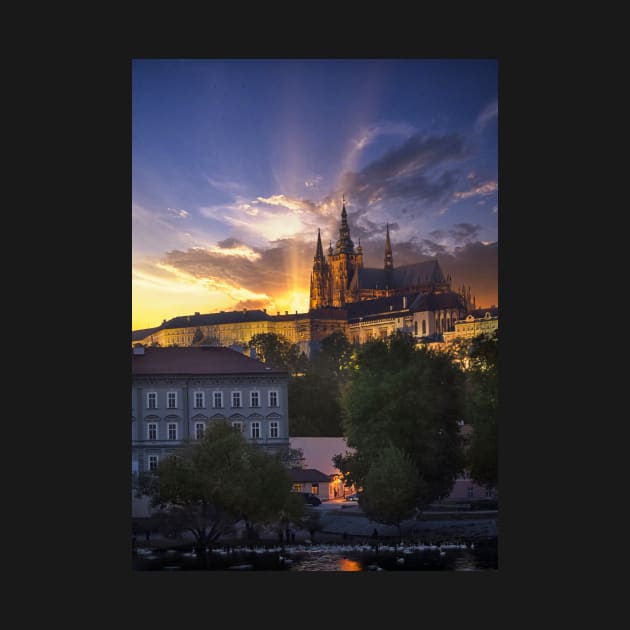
363	302
340	278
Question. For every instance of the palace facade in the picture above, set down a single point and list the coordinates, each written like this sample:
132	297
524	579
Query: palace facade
363	302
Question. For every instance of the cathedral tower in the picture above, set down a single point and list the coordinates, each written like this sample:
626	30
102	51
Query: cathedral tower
334	279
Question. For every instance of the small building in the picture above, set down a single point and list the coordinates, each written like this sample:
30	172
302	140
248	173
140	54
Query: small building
313	481
318	453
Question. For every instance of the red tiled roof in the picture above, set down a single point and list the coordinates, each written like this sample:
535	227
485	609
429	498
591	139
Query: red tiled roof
197	360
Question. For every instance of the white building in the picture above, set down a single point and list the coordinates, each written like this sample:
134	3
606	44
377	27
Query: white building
177	393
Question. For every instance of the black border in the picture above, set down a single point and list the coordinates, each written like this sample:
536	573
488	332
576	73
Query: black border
101	521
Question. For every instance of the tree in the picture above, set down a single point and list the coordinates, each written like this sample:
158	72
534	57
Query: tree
482	408
197	337
314	405
334	356
277	351
211	485
391	487
292	457
409	398
268	488
311	522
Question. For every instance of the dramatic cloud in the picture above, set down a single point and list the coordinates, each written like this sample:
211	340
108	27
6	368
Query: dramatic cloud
473	264
489	112
274	274
267	261
482	189
459	234
418	171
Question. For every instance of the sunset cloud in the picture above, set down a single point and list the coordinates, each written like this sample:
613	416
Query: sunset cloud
489	112
483	189
236	164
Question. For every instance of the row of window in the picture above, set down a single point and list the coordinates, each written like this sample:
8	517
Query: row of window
199	401
297	487
171	430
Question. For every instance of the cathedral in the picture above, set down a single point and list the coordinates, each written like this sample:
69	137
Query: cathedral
363	302
340	278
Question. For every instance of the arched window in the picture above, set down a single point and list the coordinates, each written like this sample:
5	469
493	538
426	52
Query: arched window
415	328
424	326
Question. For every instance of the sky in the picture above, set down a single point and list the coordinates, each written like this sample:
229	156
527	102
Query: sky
236	163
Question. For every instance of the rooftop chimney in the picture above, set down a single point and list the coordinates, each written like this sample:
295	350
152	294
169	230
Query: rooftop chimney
197	313
286	312
404	301
252	352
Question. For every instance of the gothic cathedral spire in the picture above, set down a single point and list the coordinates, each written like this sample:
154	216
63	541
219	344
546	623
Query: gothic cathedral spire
389	259
319	252
344	244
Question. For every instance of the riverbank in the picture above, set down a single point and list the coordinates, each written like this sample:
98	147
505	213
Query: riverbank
352	526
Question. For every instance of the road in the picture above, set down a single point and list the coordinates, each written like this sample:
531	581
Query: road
340	516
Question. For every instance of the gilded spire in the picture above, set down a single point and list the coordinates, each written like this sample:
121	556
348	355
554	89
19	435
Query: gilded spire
389	259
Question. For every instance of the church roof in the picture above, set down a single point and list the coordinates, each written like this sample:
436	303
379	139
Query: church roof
414	275
437	301
481	312
375	306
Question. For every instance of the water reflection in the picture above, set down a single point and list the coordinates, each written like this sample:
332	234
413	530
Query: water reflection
345	564
326	558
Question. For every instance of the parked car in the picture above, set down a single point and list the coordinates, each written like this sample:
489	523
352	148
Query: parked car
353	497
311	499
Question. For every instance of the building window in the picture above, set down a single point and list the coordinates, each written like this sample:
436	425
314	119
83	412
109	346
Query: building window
153	461
199	401
274	429
152	400
200	427
489	492
273	399
315	488
236	399
255	430
152	431
171	400
254	399
217	400
469	492
297	487
415	328
238	426
424	327
172	431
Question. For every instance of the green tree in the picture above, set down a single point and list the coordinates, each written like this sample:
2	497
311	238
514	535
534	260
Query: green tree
291	513
197	337
268	488
212	484
391	488
311	522
314	405
409	398
277	351
482	408
334	356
